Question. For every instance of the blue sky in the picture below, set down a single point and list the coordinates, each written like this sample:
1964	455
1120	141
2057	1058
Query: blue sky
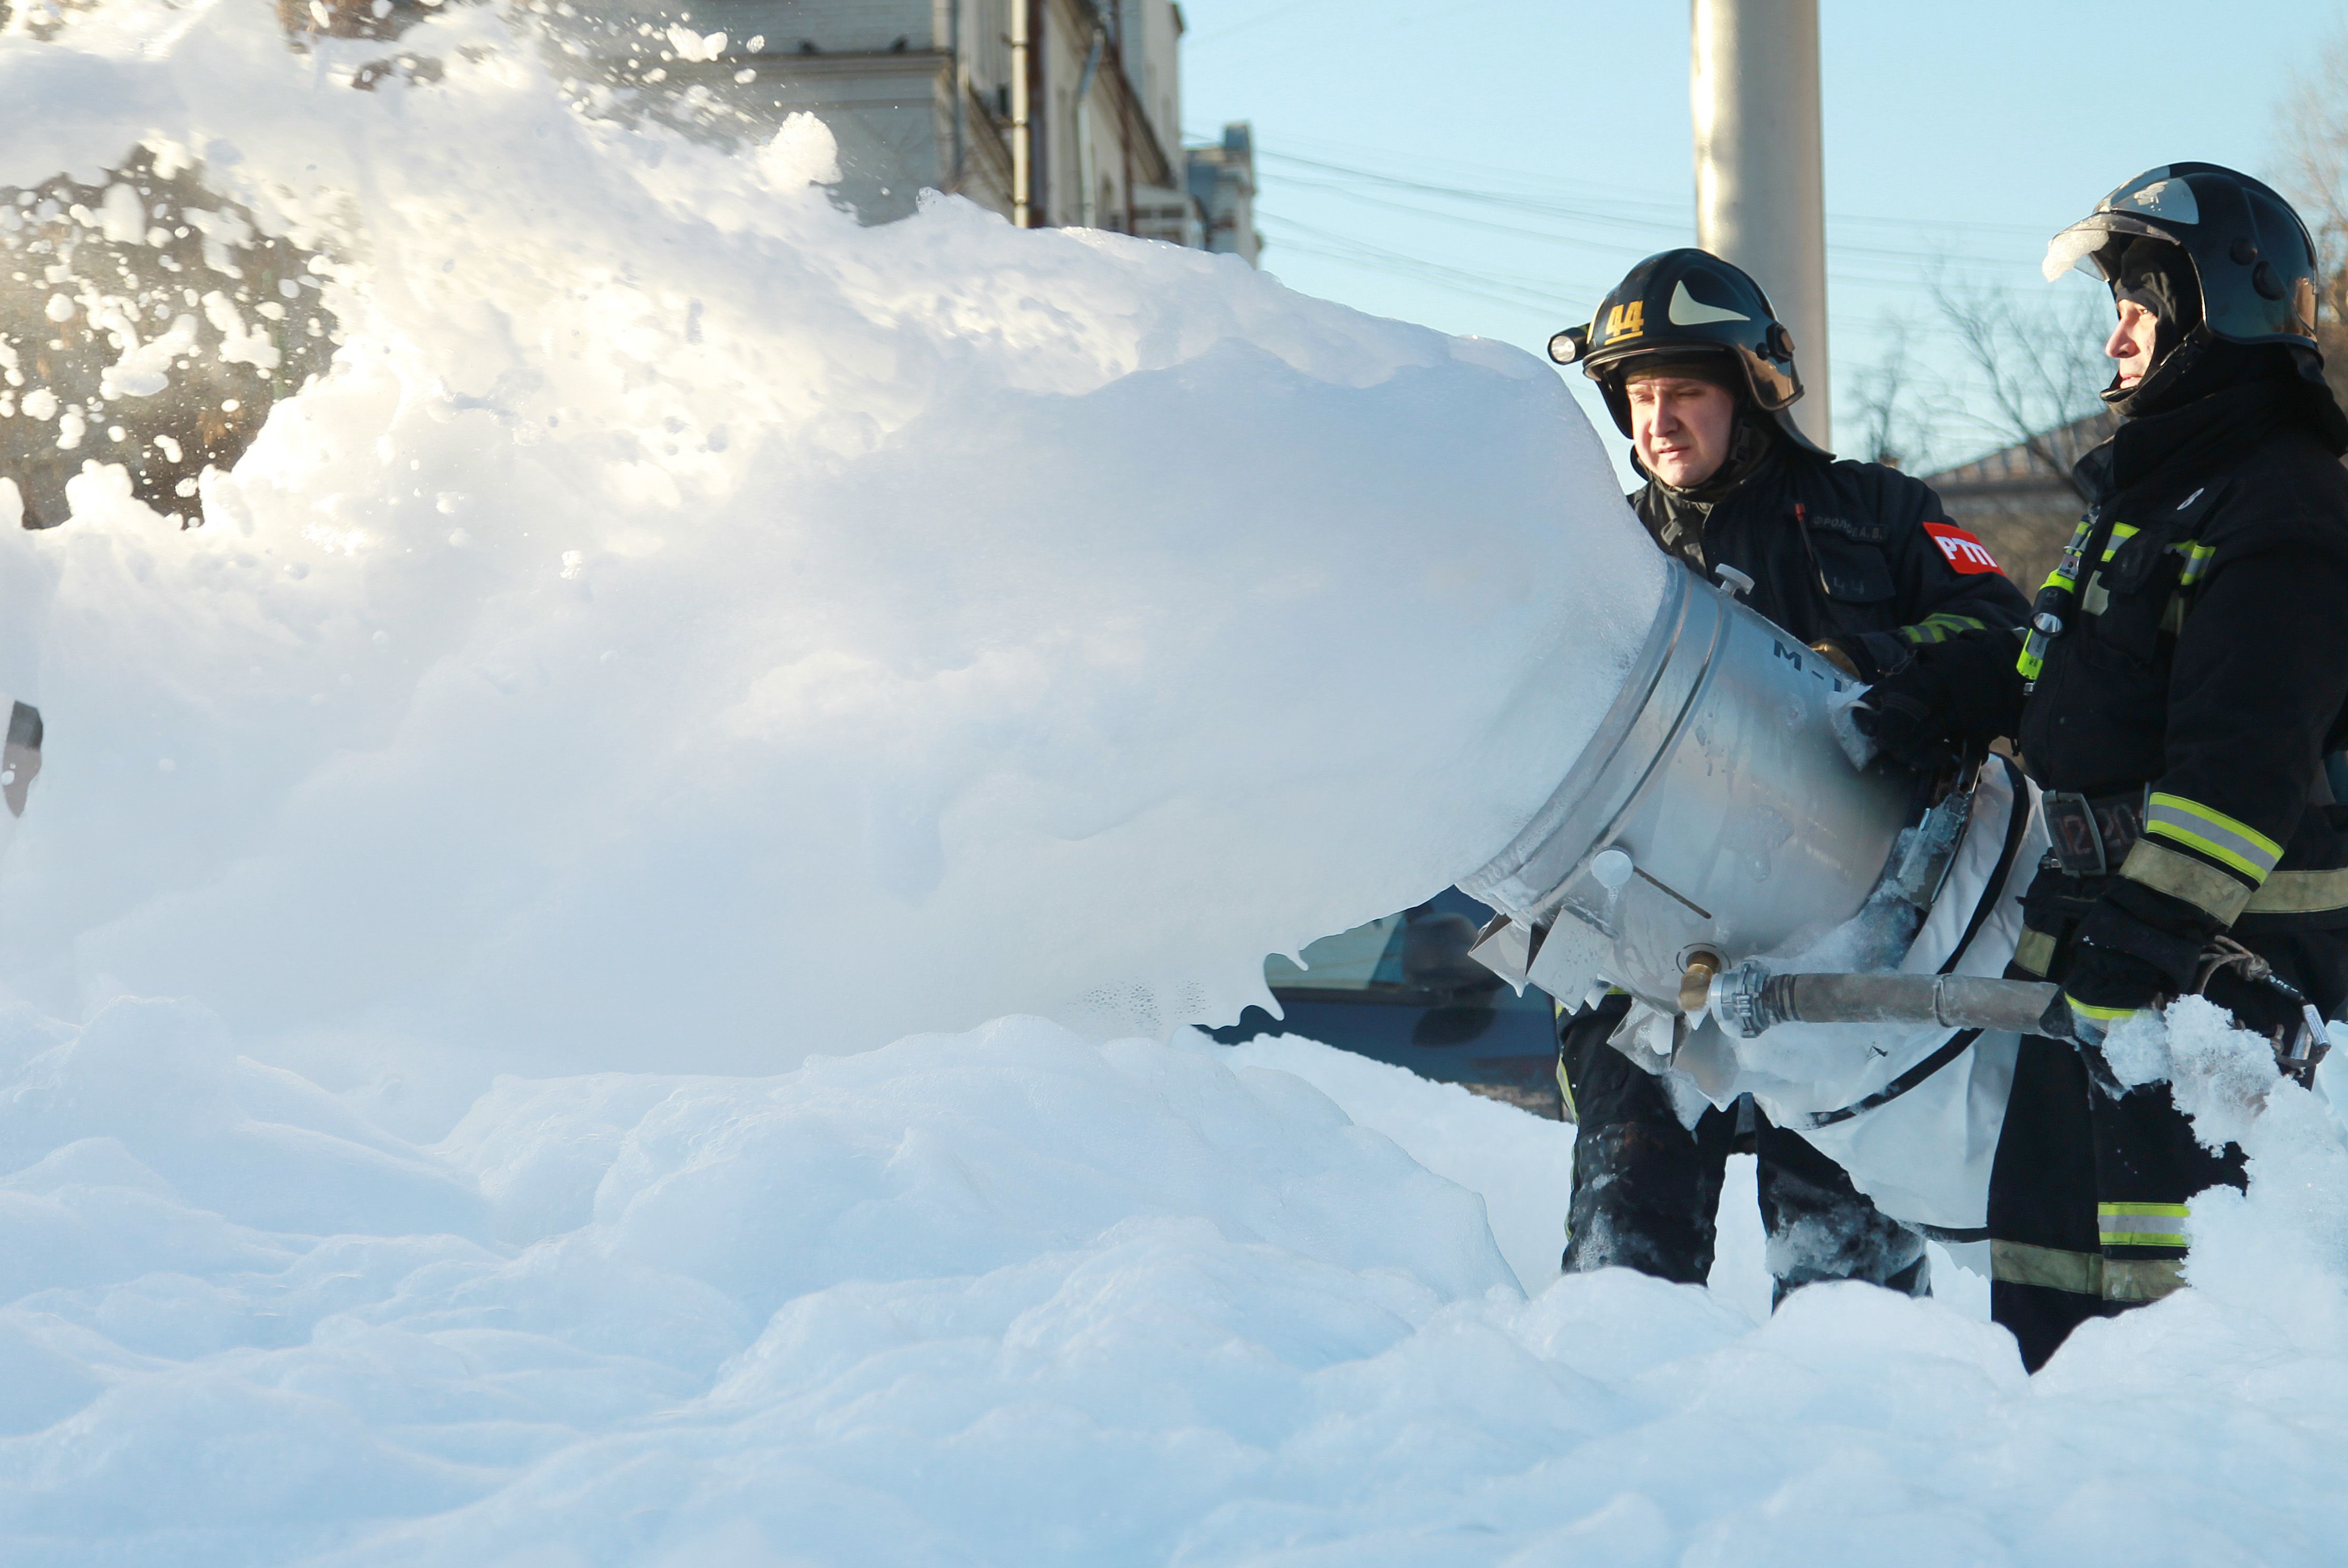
1963	133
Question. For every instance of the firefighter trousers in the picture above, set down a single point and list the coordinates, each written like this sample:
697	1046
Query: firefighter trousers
1646	1187
2090	1198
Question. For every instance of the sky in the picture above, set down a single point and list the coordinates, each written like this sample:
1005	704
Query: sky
1494	166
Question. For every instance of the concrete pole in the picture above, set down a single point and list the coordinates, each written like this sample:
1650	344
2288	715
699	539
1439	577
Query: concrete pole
961	80
1023	111
1760	180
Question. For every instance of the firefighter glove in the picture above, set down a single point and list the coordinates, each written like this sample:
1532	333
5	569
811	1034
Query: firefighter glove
2135	947
1962	692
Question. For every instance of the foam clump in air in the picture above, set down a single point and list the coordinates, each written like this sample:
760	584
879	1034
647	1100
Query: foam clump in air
681	623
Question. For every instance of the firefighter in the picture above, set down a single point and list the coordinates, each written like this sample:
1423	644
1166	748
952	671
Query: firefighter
2185	682
1855	559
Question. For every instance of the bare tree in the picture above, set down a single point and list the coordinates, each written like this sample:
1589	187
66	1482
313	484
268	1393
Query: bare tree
2040	368
2313	136
1896	415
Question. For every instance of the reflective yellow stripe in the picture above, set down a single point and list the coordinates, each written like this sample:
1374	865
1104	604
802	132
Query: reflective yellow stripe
2034	951
2212	848
2102	1015
2202	885
2197	562
2141	1224
2056	579
2214	833
2031	663
2301	893
1941	627
1566	1108
2121	534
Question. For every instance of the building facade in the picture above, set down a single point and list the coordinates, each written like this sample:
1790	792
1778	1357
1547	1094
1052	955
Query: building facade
2020	501
1051	112
1222	184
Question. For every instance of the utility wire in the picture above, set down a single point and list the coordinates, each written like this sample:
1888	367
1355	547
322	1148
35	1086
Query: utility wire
1903	277
1676	227
1309	240
1616	208
1255	21
1610	247
1628	214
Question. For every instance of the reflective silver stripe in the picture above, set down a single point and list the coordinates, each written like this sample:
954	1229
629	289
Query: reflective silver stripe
2180	875
2034	952
2142	1279
2301	893
2214	833
2141	1224
2020	1263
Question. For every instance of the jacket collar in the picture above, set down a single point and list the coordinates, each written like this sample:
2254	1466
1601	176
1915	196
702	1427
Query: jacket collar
2190	441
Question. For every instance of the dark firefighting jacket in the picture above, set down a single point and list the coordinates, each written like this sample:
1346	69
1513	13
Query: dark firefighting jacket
1857	554
2204	668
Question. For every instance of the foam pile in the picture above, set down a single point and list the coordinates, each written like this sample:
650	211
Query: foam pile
1017	1297
683	623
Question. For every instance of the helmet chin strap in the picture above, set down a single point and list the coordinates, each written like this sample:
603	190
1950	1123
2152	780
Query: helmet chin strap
1750	443
2169	370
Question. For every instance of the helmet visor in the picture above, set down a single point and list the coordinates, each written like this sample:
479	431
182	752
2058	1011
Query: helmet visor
2081	245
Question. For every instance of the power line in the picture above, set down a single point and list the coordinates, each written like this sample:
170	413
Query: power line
1617	208
1552	236
1859	267
1581	241
1334	246
1674	226
1256	20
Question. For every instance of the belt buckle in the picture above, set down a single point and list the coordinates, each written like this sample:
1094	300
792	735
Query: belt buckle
2079	841
2119	823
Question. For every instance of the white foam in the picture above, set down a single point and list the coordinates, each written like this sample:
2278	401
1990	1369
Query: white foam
685	625
1017	1296
689	631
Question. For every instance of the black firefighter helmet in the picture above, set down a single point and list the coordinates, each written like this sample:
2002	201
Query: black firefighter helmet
2247	275
2251	255
1683	306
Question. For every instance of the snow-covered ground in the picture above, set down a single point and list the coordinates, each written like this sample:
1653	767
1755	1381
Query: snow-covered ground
686	634
1015	1298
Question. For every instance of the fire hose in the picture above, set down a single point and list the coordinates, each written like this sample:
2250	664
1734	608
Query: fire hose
1749	1000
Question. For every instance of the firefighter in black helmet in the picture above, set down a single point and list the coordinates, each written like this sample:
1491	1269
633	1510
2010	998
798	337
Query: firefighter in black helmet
2180	693
1856	558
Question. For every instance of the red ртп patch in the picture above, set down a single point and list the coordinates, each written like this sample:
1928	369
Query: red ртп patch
1965	553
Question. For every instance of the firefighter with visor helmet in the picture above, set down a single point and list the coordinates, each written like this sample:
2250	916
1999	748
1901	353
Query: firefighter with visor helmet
2181	699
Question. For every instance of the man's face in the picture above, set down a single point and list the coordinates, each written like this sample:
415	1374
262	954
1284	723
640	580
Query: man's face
1681	427
2131	342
